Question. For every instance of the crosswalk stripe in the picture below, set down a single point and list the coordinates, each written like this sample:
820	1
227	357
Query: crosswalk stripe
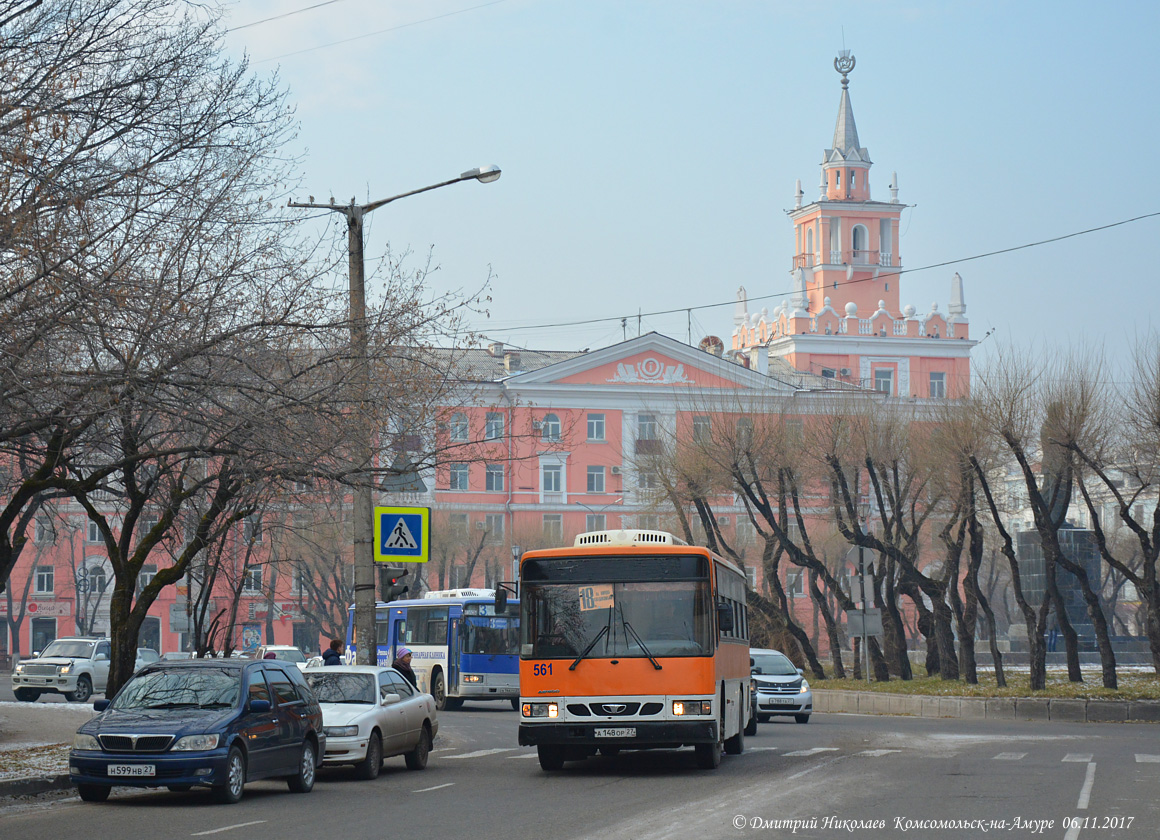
481	753
813	751
437	787
525	755
877	753
1143	758
1009	756
1078	758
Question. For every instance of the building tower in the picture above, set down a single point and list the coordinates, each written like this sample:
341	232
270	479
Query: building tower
843	318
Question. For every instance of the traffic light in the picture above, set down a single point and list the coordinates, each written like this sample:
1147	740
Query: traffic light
390	583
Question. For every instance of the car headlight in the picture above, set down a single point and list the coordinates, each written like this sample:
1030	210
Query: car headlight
81	741
196	743
550	710
64	669
20	668
805	687
692	707
340	731
472	678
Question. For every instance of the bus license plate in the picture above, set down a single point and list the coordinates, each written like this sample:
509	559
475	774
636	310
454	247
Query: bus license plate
617	732
132	770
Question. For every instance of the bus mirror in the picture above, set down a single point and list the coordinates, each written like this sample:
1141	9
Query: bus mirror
501	602
725	618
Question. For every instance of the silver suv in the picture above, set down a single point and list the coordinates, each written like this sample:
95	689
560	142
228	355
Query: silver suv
75	667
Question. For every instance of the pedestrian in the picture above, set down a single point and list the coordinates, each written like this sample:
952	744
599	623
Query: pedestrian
402	664
331	655
270	655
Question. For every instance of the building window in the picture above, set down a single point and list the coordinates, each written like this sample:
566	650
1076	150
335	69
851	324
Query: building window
554	528
457	522
493	427
596	479
552	483
595	522
147	524
646	427
94	535
458	477
45	580
44	532
884	380
751	577
702	429
744	431
550	427
648	480
252	580
595	427
938	385
146	575
252	529
93	579
494	478
649	522
494	524
795	584
457	428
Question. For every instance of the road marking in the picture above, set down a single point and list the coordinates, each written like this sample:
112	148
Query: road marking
481	753
761	749
437	787
813	751
876	753
525	755
1009	756
1142	758
1085	793
226	828
1079	758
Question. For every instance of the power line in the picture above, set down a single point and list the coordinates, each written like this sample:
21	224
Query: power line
383	31
879	276
284	15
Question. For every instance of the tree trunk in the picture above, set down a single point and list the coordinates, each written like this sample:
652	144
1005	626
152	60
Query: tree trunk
1055	598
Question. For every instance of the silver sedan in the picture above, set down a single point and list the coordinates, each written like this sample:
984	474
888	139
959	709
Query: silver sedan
370	713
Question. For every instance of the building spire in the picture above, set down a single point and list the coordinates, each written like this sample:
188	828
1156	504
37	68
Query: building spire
845	132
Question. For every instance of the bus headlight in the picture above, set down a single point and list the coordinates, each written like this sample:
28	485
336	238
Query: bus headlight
549	710
692	707
472	678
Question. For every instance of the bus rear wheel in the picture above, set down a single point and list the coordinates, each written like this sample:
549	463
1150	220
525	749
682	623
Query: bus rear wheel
551	757
439	691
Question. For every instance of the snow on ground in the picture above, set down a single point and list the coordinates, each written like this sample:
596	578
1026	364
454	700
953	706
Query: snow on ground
22	761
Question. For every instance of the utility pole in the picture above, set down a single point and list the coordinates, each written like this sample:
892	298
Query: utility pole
363	449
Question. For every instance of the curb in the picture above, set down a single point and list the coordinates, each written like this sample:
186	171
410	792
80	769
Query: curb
988	708
34	787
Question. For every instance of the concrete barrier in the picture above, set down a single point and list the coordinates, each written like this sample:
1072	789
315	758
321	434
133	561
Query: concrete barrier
1064	710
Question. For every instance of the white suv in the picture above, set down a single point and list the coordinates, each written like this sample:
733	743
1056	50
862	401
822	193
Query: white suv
75	667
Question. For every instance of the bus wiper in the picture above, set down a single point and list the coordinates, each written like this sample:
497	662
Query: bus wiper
603	632
628	627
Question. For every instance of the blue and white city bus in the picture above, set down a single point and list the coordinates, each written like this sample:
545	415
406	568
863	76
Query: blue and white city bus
460	648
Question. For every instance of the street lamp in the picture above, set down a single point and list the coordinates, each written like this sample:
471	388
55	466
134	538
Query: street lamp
364	565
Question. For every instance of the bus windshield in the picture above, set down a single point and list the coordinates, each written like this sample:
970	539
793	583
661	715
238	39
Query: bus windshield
479	634
628	619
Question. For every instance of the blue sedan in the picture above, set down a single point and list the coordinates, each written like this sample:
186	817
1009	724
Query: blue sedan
216	723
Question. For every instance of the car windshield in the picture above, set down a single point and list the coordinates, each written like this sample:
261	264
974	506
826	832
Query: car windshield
773	664
342	688
200	688
289	655
72	650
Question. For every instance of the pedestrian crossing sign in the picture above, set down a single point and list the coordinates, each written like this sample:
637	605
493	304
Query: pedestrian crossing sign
402	534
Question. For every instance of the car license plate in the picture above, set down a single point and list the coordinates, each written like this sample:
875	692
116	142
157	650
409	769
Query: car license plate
132	770
617	732
777	701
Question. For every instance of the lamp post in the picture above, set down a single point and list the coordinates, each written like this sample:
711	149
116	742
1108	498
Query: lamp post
600	510
364	565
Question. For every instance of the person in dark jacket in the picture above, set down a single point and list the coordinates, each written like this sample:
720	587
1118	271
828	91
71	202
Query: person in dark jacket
331	655
402	664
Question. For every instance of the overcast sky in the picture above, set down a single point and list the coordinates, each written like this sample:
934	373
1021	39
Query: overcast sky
649	150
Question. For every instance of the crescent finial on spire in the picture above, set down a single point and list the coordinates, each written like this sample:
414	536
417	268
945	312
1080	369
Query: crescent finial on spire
844	64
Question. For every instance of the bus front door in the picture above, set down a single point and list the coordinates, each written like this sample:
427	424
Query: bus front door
453	659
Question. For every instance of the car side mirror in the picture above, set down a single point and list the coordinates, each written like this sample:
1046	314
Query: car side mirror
100	705
36	654
100	657
801	673
259	706
388	699
725	618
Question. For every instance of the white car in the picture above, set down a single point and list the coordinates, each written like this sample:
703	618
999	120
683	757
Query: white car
287	653
370	713
779	686
76	667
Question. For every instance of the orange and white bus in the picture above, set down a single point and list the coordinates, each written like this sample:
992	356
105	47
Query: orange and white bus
632	640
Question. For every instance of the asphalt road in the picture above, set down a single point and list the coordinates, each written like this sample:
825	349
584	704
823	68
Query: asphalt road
479	783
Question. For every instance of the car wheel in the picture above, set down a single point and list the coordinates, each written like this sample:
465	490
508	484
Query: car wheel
751	727
417	758
369	767
709	755
802	718
551	757
235	783
303	780
763	718
27	695
94	793
84	690
439	691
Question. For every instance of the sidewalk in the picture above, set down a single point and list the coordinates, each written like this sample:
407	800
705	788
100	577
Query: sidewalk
34	743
